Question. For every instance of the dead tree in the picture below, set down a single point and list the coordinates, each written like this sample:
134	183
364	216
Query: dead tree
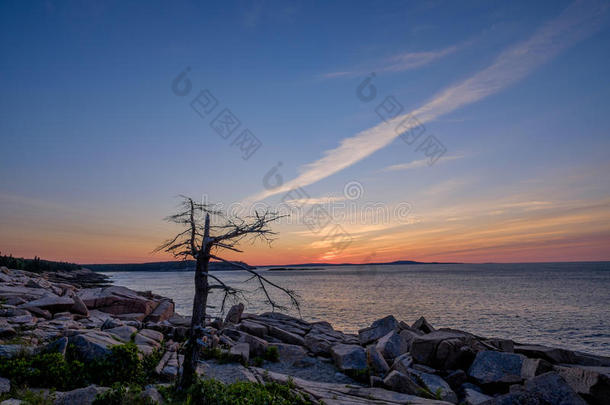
203	242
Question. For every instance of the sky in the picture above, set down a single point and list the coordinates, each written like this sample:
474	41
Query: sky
475	131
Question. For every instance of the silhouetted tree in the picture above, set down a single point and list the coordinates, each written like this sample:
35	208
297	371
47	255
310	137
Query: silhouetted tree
203	242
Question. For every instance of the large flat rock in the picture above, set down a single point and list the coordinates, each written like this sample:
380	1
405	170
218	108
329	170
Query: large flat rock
117	300
335	394
491	367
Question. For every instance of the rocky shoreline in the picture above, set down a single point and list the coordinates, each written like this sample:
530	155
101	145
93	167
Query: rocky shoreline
388	362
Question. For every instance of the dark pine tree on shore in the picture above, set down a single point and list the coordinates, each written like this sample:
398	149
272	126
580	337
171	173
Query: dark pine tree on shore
203	242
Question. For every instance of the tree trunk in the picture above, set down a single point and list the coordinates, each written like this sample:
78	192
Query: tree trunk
191	355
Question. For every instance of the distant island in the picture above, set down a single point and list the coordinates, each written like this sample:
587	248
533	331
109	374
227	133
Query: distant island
287	266
180	265
189	265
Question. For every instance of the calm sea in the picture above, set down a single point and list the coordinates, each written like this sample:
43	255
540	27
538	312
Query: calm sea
558	304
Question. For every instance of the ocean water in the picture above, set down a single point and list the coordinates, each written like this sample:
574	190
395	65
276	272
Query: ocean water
557	304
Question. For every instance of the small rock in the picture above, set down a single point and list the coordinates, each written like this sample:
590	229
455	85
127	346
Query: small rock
152	334
38	283
81	396
435	385
179	320
399	382
234	314
534	367
444	349
58	346
151	394
378	329
123	332
12	401
593	383
164	311
503	345
22	320
5	385
253	328
392	345
349	357
516	398
51	303
111	323
7	332
290	354
424	369
142	340
550	354
42	313
79	306
456	378
63	315
10	351
376	361
321	337
403	363
258	346
132	317
490	367
240	352
225	373
422	325
554	389
286	336
93	345
473	397
375	381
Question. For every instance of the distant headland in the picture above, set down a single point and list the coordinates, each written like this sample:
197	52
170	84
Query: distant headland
189	265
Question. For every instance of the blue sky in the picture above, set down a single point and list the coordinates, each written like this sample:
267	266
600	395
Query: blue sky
97	146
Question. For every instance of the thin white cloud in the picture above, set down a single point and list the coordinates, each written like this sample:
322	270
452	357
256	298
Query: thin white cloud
401	62
577	22
313	201
414	60
333	75
418	163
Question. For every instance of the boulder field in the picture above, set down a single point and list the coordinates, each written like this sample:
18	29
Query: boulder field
388	362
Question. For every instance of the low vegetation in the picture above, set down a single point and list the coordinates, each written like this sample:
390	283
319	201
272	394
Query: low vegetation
35	265
212	392
127	372
52	370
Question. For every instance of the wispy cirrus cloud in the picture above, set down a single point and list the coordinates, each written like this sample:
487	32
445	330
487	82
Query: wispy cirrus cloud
333	75
400	63
314	201
418	163
578	21
414	60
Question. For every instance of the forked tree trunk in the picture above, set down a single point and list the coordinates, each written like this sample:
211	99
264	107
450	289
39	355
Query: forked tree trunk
191	355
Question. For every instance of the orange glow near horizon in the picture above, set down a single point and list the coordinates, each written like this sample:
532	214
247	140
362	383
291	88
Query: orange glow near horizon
570	232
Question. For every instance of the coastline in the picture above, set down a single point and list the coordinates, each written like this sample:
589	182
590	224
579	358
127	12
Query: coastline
525	303
389	361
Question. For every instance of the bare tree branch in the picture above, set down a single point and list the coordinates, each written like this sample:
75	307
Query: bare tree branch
263	283
198	240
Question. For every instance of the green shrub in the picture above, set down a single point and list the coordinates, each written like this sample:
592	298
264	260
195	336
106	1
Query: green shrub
212	392
52	370
121	394
30	397
123	364
272	354
359	375
43	370
216	354
257	361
